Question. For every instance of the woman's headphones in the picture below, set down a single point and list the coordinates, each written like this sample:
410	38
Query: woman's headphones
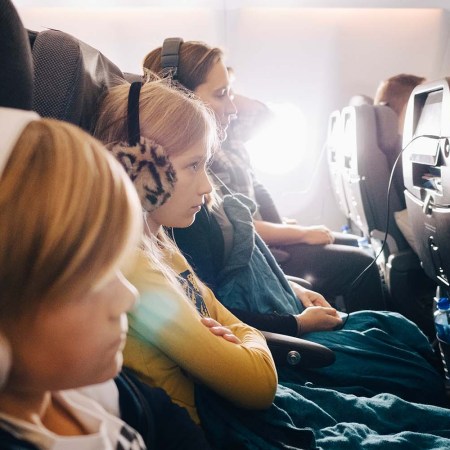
170	57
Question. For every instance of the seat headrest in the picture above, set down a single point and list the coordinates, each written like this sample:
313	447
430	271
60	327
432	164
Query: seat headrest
16	74
387	130
360	99
70	77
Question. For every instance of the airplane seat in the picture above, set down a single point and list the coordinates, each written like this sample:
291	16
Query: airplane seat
69	77
401	264
336	163
370	134
17	74
360	99
391	146
426	170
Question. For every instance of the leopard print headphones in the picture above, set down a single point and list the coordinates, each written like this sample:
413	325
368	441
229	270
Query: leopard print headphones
144	160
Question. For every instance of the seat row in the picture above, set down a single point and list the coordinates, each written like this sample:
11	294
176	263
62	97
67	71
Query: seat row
376	173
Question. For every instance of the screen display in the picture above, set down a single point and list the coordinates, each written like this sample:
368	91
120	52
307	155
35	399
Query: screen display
429	121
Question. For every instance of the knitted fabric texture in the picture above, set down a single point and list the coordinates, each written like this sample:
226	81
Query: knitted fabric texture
150	170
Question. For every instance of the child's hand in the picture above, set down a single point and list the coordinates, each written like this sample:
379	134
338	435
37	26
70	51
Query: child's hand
217	329
318	318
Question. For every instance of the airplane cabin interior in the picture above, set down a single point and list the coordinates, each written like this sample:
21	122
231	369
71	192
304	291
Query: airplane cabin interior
323	222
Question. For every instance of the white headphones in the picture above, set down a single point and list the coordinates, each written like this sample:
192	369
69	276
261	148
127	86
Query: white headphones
12	123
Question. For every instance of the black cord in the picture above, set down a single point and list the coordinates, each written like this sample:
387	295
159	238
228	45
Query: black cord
353	283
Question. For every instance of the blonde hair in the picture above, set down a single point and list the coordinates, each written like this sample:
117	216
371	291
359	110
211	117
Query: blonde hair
69	216
195	62
167	115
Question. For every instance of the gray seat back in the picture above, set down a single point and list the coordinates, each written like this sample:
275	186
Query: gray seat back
70	77
426	170
16	74
335	158
369	135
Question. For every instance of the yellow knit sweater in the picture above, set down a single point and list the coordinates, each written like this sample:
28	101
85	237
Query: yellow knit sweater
169	347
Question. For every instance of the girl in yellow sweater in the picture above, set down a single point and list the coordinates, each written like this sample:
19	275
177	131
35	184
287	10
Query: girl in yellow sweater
171	342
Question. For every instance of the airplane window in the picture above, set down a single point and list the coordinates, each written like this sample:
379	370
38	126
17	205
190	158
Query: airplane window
284	137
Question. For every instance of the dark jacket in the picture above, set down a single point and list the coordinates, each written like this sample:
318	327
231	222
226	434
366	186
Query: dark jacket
203	246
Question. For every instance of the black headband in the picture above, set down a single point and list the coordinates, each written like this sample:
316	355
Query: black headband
170	57
134	132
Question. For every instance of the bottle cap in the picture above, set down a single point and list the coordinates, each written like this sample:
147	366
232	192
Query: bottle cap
443	303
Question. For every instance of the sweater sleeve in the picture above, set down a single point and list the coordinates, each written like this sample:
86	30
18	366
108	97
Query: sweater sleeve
243	373
275	323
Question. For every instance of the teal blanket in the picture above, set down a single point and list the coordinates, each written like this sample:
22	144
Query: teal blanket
336	407
309	417
376	352
251	279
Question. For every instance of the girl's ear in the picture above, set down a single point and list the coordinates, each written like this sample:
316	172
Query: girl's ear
149	169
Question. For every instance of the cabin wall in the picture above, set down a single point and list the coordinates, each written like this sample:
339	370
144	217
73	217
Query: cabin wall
315	58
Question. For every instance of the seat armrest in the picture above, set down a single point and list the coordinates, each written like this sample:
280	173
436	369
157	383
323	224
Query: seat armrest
292	351
403	261
280	255
301	281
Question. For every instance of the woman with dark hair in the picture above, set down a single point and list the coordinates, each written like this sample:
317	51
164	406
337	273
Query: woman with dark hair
330	261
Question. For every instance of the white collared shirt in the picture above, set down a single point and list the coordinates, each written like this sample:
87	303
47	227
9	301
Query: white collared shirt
97	412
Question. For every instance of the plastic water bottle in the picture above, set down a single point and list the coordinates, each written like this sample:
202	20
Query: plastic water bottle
442	324
363	242
442	319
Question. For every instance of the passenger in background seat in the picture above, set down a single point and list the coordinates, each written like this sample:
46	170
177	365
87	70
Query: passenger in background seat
314	253
182	339
395	92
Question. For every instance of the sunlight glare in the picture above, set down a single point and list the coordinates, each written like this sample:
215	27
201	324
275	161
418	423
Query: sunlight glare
278	148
